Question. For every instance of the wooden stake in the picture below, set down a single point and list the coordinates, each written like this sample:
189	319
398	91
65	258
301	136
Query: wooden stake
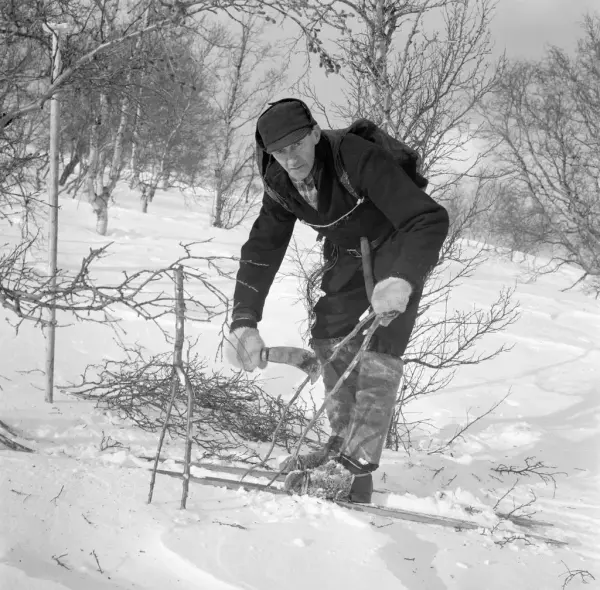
55	30
177	363
185	382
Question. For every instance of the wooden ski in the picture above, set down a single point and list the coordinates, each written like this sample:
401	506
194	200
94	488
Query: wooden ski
270	474
396	513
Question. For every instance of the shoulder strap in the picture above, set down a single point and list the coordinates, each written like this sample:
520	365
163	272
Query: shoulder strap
335	137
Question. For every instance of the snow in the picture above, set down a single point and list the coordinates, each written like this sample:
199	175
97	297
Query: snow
73	516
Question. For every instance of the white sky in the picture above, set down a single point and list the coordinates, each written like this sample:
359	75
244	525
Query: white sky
525	27
522	28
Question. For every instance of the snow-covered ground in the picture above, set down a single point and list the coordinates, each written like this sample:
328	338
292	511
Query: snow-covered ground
75	517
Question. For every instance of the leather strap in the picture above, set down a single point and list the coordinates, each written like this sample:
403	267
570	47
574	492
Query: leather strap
367	266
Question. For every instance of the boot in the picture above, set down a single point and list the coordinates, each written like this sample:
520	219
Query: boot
315	459
330	481
361	491
377	387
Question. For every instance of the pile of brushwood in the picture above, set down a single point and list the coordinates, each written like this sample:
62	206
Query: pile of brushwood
231	411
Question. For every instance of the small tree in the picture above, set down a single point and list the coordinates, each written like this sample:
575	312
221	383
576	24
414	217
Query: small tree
245	84
423	83
420	81
174	124
545	121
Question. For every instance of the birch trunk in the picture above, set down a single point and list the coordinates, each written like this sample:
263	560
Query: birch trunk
115	166
218	202
148	195
228	123
135	138
97	196
380	46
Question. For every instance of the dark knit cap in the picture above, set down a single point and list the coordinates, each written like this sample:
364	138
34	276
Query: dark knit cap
285	122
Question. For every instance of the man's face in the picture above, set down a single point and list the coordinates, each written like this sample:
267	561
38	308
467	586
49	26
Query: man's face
298	158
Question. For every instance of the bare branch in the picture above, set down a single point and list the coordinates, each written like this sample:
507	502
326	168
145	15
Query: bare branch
59	562
531	468
571	575
468	424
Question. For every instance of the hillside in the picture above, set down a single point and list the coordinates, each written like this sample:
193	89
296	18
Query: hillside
75	516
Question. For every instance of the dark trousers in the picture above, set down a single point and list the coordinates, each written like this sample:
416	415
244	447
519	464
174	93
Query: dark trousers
345	299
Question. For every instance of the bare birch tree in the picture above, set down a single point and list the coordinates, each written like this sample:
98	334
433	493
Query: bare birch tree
545	121
174	126
420	69
247	79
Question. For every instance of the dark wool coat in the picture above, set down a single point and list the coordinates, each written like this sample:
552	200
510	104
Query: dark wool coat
392	202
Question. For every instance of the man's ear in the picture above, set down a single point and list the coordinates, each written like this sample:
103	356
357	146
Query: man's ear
316	133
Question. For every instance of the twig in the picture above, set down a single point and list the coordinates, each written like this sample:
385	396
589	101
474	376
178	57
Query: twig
513	539
532	467
445	485
59	562
231	524
57	495
21	494
14	445
97	561
87	520
572	574
26	292
229	410
7	427
460	431
521	507
108	442
505	494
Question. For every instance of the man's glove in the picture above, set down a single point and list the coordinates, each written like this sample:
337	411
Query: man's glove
391	296
243	347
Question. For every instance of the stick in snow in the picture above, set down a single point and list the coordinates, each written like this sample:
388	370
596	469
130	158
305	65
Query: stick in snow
177	361
97	562
13	445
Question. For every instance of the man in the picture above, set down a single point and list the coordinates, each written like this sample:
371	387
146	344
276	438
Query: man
373	198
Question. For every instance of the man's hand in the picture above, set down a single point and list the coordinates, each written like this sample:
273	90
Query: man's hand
391	296
243	347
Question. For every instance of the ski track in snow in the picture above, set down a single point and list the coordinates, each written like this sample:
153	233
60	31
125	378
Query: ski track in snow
254	541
